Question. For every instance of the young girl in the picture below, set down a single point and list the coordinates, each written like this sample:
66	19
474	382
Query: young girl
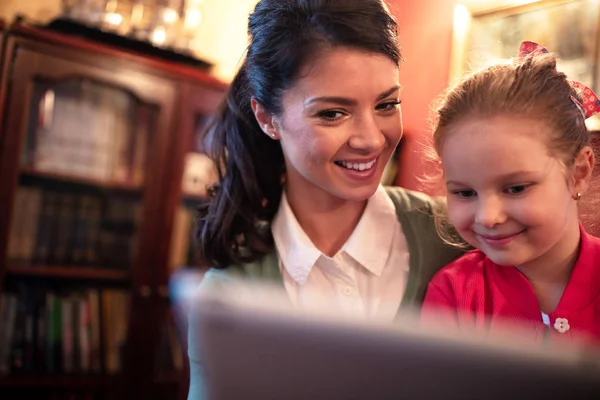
516	159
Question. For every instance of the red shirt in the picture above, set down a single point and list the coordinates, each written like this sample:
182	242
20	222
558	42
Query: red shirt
473	292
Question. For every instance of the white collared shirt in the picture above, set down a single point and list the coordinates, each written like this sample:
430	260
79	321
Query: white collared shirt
367	277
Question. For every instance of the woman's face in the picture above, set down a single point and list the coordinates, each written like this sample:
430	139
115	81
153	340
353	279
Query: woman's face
340	124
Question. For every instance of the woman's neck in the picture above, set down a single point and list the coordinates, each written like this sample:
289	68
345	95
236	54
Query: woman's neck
550	273
327	220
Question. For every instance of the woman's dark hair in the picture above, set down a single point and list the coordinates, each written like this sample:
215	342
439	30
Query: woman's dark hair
234	225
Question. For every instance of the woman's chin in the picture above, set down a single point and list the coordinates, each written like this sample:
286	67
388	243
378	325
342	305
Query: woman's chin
359	193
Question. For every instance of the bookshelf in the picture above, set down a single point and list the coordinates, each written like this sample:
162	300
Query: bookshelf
108	184
100	170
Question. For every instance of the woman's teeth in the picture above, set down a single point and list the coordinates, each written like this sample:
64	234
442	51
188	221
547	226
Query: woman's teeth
356	166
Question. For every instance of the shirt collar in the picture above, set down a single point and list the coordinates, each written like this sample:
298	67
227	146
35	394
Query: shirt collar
370	243
583	287
579	292
297	252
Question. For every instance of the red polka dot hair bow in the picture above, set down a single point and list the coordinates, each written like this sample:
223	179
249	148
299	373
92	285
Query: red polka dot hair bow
590	104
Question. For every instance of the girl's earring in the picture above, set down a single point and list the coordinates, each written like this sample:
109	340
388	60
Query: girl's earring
577	196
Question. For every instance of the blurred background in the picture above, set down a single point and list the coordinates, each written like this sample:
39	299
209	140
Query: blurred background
101	168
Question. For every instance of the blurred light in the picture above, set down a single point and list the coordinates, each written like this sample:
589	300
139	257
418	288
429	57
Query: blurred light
137	14
111	6
113	19
48	108
159	35
170	16
193	18
593	123
461	18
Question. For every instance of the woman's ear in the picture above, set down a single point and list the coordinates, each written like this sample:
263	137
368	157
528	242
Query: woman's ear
265	120
582	171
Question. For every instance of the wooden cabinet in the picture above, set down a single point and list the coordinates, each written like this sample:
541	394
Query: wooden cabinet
2	61
95	144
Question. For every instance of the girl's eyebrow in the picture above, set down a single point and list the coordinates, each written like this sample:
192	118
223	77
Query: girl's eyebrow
520	175
455	183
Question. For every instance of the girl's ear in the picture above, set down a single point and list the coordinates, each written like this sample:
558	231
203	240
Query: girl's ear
582	171
265	120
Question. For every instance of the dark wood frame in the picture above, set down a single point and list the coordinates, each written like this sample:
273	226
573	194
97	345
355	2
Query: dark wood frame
2	74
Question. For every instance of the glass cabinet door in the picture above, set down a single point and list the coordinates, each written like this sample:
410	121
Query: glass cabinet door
82	169
83	147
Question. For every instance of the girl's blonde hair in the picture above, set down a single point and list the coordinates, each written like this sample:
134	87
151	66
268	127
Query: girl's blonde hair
530	88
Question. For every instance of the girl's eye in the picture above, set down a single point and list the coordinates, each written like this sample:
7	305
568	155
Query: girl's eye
464	193
331	115
390	105
516	189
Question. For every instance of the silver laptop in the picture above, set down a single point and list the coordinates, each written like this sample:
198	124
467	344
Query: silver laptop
253	345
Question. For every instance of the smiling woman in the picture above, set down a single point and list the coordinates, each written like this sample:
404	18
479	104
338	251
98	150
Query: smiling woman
337	129
313	115
301	144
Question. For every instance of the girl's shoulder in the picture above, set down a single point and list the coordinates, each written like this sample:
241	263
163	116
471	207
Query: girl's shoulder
462	284
461	271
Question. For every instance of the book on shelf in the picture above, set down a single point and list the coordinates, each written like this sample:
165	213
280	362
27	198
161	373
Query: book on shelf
81	331
50	227
26	215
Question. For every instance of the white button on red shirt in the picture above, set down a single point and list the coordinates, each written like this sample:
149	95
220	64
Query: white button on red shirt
561	325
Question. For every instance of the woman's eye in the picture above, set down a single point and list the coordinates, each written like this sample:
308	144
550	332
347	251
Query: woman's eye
331	115
464	193
390	105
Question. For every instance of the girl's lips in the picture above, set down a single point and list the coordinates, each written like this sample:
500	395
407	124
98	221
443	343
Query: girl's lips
499	240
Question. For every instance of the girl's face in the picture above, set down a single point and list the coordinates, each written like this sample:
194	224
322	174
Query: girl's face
507	195
340	124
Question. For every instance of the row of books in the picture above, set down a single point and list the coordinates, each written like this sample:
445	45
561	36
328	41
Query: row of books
69	332
62	228
89	130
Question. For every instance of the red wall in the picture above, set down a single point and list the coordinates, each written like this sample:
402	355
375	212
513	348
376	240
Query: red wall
425	29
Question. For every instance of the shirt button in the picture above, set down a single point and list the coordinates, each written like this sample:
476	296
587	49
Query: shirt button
347	291
562	325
